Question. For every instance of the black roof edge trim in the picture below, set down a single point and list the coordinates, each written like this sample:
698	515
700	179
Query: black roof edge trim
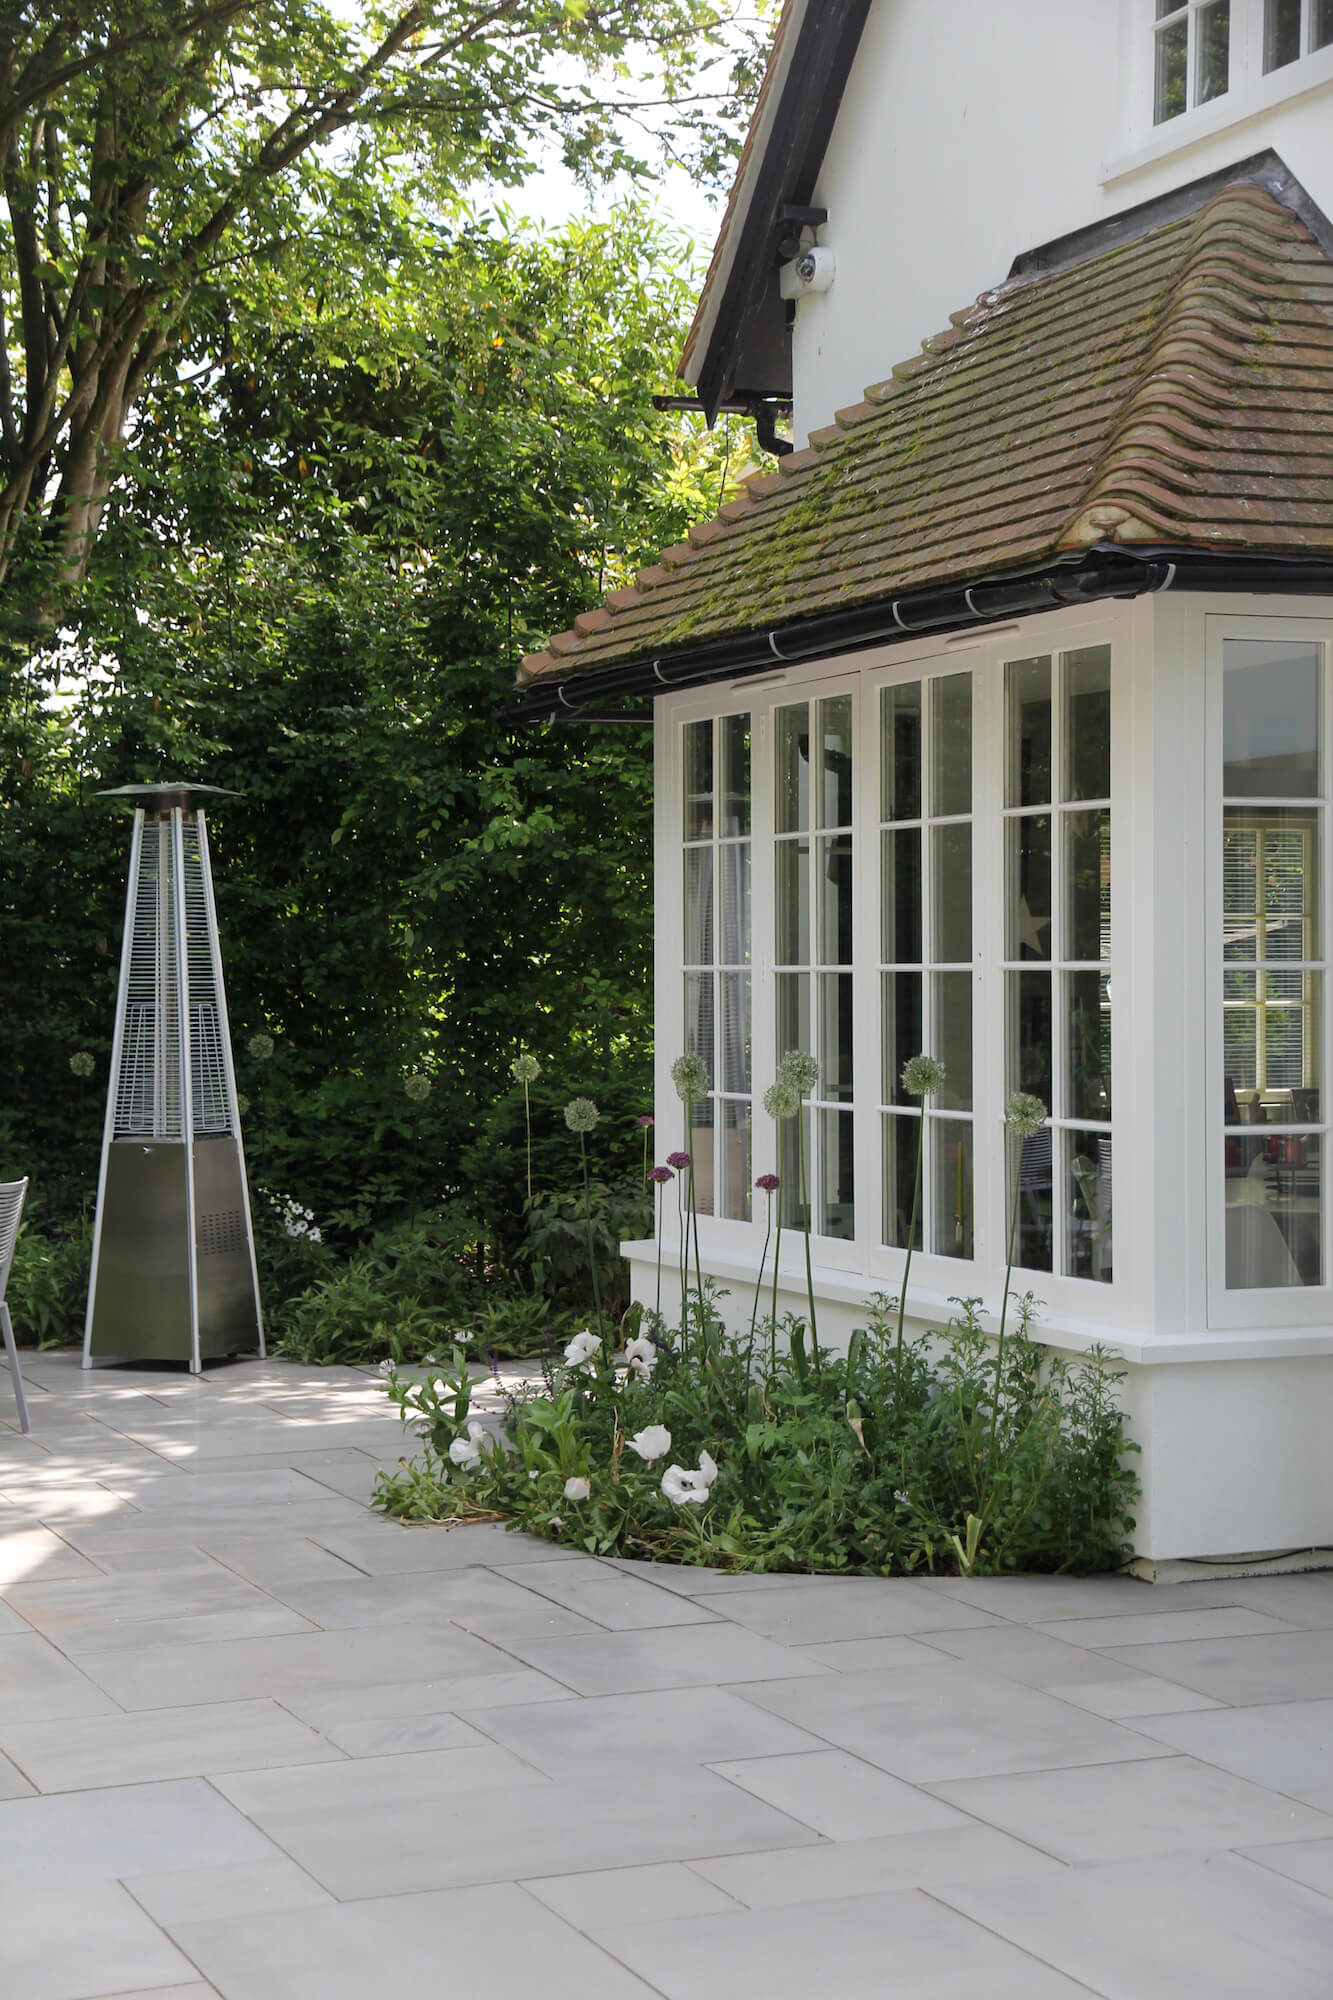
1266	169
1104	571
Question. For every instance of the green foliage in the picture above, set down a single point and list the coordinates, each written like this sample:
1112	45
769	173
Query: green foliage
829	1462
47	1292
412	1285
561	1227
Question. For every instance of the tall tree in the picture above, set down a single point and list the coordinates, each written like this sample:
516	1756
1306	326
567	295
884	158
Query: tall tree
155	153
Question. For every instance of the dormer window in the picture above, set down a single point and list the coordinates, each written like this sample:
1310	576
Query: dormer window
1192	59
1294	28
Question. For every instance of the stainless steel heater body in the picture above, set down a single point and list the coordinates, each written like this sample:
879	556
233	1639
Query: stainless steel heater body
173	1276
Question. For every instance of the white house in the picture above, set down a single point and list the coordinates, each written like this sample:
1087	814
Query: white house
997	719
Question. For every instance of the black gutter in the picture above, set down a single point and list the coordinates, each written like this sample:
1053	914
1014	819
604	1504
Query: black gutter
1104	571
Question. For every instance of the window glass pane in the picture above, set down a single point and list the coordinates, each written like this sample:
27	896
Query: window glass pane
1282	32
734	861
835	1034
1270	871
1088	723
950	1147
735	1030
1029	842
834	859
793	1009
835	736
1030	1033
1088	1204
1165	7
900	752
900	994
1270	719
1169	82
1273	1217
951	753
1088	1078
792	804
793	902
795	1197
900	890
1034	1235
1212	56
1321	23
1029	695
698	780
953	1038
1087	884
699	1017
953	894
735	774
698	906
835	1214
737	1180
701	1152
901	1137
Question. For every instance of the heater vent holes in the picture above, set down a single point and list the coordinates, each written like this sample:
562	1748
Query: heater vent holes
221	1233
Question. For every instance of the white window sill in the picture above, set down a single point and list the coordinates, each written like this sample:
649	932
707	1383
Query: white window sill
1305	78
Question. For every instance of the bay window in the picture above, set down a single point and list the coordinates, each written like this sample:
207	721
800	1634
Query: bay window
716	955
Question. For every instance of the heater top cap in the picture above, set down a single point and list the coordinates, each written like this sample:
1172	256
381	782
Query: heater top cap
159	798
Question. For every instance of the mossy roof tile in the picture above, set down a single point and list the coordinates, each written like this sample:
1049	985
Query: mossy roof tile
1176	388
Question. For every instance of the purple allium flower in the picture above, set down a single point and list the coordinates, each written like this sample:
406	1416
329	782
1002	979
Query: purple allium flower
768	1183
645	1121
659	1174
678	1160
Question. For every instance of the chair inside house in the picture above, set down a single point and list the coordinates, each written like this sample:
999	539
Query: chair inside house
12	1194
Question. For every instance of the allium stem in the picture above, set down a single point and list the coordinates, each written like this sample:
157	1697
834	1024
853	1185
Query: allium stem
527	1120
777	1249
657	1197
1004	1304
911	1242
759	1282
587	1220
805	1205
694	1216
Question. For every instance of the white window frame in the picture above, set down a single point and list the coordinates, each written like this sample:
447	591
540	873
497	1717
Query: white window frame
1192	12
1287	1305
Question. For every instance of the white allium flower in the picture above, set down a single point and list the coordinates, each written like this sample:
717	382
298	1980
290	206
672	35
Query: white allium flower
689	1489
799	1068
922	1076
782	1100
581	1114
583	1350
82	1063
242	1102
641	1356
417	1086
577	1489
689	1073
652	1443
525	1069
260	1047
1025	1114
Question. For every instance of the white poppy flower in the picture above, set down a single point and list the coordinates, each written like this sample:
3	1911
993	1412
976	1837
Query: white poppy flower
582	1350
464	1454
707	1468
577	1489
652	1443
641	1356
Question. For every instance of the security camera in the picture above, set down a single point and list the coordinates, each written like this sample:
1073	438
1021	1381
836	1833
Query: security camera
813	271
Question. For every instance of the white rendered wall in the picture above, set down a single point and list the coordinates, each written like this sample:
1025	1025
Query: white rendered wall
972	130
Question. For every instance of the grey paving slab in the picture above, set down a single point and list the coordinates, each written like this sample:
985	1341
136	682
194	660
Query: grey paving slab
675	1656
691	1580
494	1941
652	1732
1038	1657
929	1724
862	1656
1276	1666
404	1735
1155	1628
629	1895
1287	1746
839	1795
899	1946
393	1844
477	1599
82	1752
132	1597
234	1669
60	1945
1119	1812
1297	1600
37	1683
274	1562
76	1837
1211	1926
963	1852
1036	1598
337	1710
607	1596
1307	1861
384	1548
258	1621
234	1889
804	1610
31	1554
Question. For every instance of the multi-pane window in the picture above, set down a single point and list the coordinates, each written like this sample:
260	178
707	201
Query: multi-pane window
1191	55
1272	952
813	946
925	834
716	955
1293	28
1058	953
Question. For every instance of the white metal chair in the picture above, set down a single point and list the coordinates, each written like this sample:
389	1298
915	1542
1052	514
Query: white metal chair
12	1194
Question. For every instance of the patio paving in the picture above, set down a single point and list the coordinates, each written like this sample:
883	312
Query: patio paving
257	1742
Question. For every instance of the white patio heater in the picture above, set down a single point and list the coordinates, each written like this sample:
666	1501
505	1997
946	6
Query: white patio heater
173	1266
